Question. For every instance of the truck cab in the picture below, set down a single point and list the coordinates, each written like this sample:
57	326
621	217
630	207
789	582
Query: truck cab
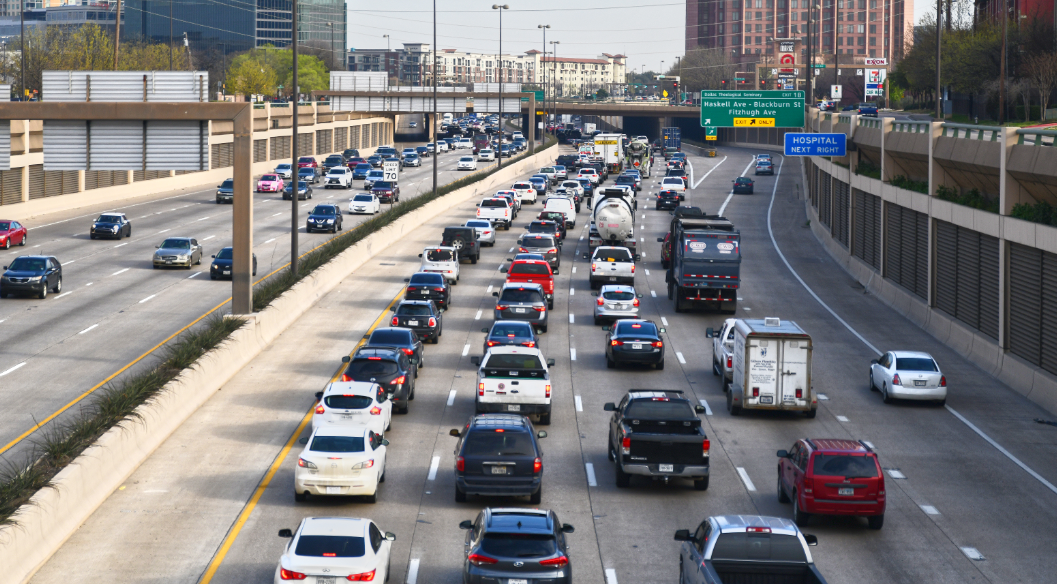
704	268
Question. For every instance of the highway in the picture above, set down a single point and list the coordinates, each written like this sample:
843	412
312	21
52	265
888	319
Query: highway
114	306
207	505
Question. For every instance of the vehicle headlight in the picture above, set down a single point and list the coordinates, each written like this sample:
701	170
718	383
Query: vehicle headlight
114	228
330	220
183	256
36	278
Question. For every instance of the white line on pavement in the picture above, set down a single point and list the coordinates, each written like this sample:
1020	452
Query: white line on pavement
842	419
466	350
745	479
433	466
591	480
212	236
511	249
119	272
193	275
647	271
270	240
203	218
70	262
572	291
653	294
64	294
412	571
998	447
709	172
680	357
120	245
708	410
611	576
574	267
731	194
929	510
895	474
489	290
572	354
88	284
664	321
88	329
579	403
451	397
823	397
164	230
973	554
572	319
147	298
12	369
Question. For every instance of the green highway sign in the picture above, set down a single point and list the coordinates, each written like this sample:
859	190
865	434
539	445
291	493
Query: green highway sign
819	66
759	109
539	95
739	79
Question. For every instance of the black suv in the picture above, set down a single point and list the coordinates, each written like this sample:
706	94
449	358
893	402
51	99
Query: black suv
428	286
668	199
324	218
397	338
391	369
516	542
498	455
332	161
421	316
465	240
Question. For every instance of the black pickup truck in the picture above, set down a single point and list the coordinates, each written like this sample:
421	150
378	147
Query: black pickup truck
732	549
658	434
571	162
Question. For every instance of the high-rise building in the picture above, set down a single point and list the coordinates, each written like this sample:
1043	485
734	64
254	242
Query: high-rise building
861	28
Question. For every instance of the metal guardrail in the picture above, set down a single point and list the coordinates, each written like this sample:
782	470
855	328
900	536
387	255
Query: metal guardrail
870	122
967	132
1037	137
912	127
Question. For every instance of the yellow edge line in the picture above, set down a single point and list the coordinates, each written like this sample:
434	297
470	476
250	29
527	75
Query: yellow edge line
244	516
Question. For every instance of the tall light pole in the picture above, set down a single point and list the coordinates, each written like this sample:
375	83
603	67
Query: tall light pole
543	69
385	61
499	71
294	90
170	38
433	122
1002	67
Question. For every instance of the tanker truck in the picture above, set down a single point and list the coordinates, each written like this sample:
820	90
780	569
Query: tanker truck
612	219
639	157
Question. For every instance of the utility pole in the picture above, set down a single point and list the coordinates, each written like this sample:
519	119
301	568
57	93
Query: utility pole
170	38
117	33
499	71
543	71
433	122
939	31
294	89
22	49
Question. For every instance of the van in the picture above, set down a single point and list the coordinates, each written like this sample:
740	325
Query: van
771	368
564	206
441	260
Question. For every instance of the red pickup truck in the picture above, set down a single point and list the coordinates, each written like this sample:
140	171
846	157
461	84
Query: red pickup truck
533	272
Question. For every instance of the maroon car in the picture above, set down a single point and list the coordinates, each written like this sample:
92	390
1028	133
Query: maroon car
307	162
832	476
387	192
12	233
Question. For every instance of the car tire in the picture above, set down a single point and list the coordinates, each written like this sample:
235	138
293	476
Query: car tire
731	408
623	478
701	484
300	497
545	419
659	366
537	497
715	368
799	517
810	414
58	286
403	411
473	259
884	394
872	386
24	239
782	497
460	495
875	521
610	364
543	328
212	276
372	498
610	451
43	292
598	321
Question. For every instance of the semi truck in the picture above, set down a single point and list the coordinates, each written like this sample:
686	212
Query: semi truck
613	219
704	268
640	157
609	147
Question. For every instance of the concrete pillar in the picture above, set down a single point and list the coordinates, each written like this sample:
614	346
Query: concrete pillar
80	181
25	182
1009	190
889	168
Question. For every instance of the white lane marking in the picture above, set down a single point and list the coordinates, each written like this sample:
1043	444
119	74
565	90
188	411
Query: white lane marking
708	410
745	479
572	354
500	267
644	215
451	397
193	275
823	397
120	245
269	241
433	466
412	571
511	250
929	510
163	230
746	308
119	272
581	238
64	294
208	238
2	320
653	294
88	284
680	357
842	418
12	369
201	219
579	404
147	298
574	269
709	172
489	290
973	554
731	194
466	350
572	319
895	474
611	576
869	444
998	447
88	329
70	262
664	321
572	291
647	272
591	480
642	239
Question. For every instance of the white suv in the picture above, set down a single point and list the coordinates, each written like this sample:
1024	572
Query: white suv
338	177
525	191
441	260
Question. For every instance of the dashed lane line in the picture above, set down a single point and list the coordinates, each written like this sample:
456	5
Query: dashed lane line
745	479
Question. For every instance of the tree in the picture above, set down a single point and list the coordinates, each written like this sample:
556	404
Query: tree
252	76
601	93
704	69
1042	71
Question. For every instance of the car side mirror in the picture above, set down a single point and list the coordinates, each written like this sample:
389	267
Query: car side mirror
414	360
496	294
454	432
407	279
419	255
638	257
710	333
610	407
607	328
390	536
392	309
466	524
783	454
155	247
541	434
285	533
660	240
566	528
662	329
550	362
639	295
700	409
346	359
213	256
503	270
476	360
873	361
303	441
385	442
319	395
682	535
810	539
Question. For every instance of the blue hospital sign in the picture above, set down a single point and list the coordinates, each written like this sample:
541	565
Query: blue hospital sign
801	144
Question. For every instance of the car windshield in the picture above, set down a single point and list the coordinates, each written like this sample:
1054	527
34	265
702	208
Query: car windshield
330	546
225	254
383	185
636	329
520	295
337	443
363	369
466	159
301	185
518	545
395	338
363	198
283	167
845	465
101	219
27	265
915	364
616	254
547	170
618	295
306	159
427	280
759	547
306	171
440	255
530	269
490	443
338	170
414	310
176	244
625	180
324	210
336	158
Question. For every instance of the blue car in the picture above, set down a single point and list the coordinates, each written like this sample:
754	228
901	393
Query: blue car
307	174
539	182
589	189
324	218
361	170
422	151
32	274
221	266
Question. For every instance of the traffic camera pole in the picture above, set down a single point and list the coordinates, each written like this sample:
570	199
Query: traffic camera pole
294	178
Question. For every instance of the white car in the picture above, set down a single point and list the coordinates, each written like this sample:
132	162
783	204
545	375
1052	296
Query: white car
573	187
485	231
364	203
354	403
673	183
612	265
525	192
513	194
432	147
443	146
341	460
284	170
590	174
324	549
338	177
467	163
441	260
910	375
723	350
486	154
464	144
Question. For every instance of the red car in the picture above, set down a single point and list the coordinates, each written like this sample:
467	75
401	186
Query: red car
352	162
307	162
12	233
832	476
532	272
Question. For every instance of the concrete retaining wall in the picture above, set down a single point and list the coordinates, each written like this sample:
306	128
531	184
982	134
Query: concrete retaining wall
55	513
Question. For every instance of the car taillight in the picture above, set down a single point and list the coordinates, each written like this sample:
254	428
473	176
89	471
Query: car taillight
290	574
320	409
522	250
555	562
345	377
896	380
635	302
799	393
600	301
657	343
396	321
408	351
943	381
460	464
705	446
398	381
537	465
480	389
548	391
615	343
730	364
625	445
411	288
375	410
478	212
594	266
432	321
492	343
632	269
755	392
552	250
531	344
501	307
539	308
439	289
364	577
479	560
305	463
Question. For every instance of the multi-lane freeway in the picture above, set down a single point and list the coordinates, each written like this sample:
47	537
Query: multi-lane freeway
973	502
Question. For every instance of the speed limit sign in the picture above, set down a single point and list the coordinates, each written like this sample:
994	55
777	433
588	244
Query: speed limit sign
391	169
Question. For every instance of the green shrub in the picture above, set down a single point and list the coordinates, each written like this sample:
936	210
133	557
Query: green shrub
973	198
867	168
1040	212
921	186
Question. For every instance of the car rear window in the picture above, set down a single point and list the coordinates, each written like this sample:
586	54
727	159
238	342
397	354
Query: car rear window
513	361
337	444
636	329
915	364
384	337
330	546
613	255
483	224
536	227
522	186
306	159
494	203
363	369
845	465
618	295
176	244
101	219
413	310
440	255
492	443
348	402
530	269
427	279
518	545
511	330
649	409
383	185
538	242
759	547
363	166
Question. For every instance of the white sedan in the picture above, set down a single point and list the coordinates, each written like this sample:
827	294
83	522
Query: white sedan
485	231
364	203
354	403
486	154
326	549
673	183
909	375
341	460
467	163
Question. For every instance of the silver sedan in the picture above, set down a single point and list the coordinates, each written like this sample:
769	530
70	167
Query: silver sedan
178	252
910	375
485	230
616	301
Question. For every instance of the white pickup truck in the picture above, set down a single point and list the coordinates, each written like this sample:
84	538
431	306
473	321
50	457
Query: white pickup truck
514	380
612	265
723	350
498	210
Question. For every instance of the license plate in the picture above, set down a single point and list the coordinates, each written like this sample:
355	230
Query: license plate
425	292
499	470
919	382
325	579
412	323
767	399
513	408
348	416
519	310
612	278
846	491
636	345
333	490
517	581
666	467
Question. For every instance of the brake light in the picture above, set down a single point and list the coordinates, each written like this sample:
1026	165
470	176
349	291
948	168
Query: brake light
480	389
555	562
529	344
492	343
479	560
755	392
364	577
552	250
398	380
657	343
478	212
635	302
376	410
600	301
799	393
411	288
408	351
460	464
432	321
548	391
320	409
522	250
537	465
441	289
594	266
757	530
632	269
501	307
625	445
896	380
730	358
290	574
374	358
705	446
943	381
305	463
615	343
396	321
539	308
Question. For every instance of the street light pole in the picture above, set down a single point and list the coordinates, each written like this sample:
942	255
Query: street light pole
1001	75
499	71
386	60
433	123
294	222
170	35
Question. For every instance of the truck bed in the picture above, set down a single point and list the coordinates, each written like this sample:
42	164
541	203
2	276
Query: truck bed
727	572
